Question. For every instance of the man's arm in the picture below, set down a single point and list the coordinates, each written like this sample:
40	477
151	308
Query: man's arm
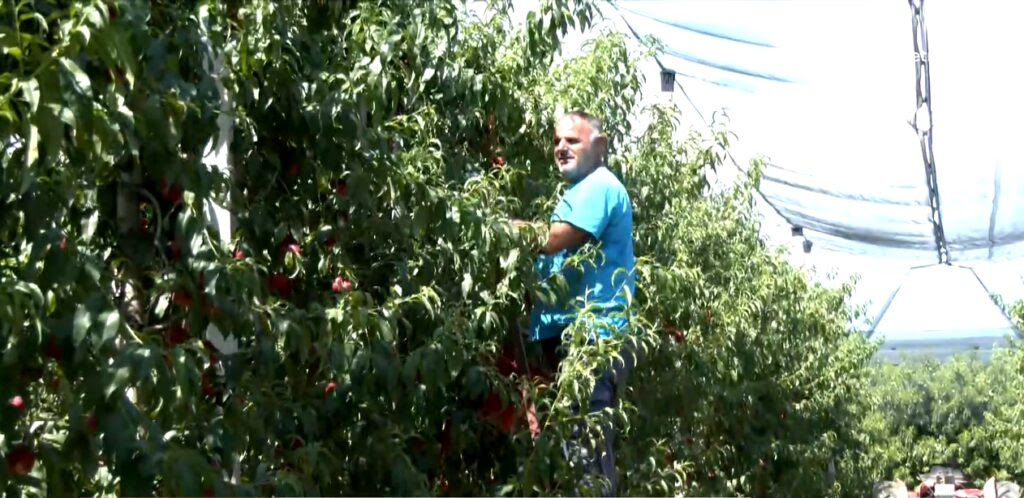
563	236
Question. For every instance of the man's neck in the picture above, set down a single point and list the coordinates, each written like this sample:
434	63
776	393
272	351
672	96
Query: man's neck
585	175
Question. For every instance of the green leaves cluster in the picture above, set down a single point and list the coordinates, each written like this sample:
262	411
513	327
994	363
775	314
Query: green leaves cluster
751	389
386	144
362	147
964	412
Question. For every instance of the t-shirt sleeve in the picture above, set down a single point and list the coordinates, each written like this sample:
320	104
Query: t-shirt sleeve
588	207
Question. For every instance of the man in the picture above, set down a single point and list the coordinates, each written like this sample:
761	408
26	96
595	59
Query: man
594	209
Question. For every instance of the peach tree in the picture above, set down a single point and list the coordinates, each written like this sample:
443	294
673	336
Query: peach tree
254	248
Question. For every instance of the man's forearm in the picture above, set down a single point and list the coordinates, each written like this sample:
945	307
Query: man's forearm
562	236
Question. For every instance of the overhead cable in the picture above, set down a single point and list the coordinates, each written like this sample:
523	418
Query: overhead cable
706	123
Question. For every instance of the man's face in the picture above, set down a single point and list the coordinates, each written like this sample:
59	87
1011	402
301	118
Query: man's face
575	154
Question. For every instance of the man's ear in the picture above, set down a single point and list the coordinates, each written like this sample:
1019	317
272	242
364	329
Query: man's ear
600	145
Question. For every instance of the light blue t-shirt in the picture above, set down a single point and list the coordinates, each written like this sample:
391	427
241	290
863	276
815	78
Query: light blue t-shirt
599	205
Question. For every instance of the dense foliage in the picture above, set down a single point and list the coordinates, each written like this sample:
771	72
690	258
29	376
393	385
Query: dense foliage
370	286
750	390
964	413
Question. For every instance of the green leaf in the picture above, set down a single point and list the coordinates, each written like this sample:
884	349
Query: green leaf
93	15
384	328
510	259
92	271
111	322
51	302
81	323
84	32
5	111
120	379
32	290
30	90
62	112
161	305
80	79
89	225
183	373
31	150
13	52
38	18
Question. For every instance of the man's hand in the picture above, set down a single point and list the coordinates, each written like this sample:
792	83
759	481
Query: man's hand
561	235
523	223
535	229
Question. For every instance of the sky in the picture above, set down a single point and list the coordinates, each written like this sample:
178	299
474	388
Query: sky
827	92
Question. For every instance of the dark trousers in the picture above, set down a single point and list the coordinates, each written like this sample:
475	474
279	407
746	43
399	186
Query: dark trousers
599	461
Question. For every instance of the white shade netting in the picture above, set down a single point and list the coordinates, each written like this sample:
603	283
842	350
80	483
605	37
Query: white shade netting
828	93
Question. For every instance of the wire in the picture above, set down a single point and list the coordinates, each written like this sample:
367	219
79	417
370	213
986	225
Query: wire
1006	315
728	154
885	309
